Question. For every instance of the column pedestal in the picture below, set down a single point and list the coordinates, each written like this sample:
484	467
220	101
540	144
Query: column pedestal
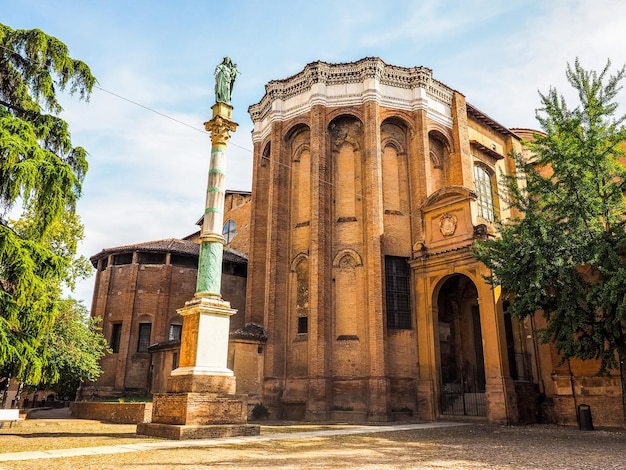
501	401
191	415
201	400
426	407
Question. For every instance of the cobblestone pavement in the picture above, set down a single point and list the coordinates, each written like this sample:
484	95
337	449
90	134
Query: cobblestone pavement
402	446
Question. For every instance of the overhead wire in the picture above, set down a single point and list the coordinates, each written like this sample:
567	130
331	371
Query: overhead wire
150	109
276	162
178	121
167	116
136	103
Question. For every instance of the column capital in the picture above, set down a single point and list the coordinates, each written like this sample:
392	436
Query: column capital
220	125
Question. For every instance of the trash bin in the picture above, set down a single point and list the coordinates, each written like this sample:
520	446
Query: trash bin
584	418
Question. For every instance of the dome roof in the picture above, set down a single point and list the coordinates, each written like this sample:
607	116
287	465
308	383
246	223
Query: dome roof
169	245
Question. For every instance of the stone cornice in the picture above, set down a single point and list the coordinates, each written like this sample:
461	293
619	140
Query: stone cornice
372	72
482	117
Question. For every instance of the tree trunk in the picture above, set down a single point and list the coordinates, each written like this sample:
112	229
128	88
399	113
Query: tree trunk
5	382
622	371
18	393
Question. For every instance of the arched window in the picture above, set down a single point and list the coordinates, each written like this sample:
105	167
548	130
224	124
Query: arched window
302	296
176	332
143	341
484	190
229	230
439	152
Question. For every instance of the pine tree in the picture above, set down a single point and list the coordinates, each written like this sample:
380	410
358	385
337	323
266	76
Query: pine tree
41	174
566	256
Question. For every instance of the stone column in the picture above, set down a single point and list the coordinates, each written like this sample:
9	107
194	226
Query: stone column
460	171
500	388
320	266
378	381
427	319
200	401
206	318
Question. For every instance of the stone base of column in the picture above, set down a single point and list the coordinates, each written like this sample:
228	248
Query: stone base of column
178	432
426	409
191	415
378	402
201	400
213	384
501	401
316	401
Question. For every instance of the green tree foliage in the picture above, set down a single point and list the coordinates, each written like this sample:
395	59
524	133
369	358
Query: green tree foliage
566	255
41	172
75	346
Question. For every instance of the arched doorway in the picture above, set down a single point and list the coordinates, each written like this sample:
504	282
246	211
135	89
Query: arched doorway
461	359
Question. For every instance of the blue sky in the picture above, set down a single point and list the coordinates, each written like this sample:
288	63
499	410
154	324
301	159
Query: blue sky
147	173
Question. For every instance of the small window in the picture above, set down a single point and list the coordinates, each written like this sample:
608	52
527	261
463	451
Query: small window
151	258
229	230
144	337
303	325
184	261
176	332
265	156
484	191
397	289
124	258
175	360
116	337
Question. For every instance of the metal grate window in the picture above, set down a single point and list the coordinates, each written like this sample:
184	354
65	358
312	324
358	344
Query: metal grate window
397	288
144	337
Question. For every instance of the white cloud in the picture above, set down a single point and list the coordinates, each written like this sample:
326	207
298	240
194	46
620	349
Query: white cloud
422	25
502	77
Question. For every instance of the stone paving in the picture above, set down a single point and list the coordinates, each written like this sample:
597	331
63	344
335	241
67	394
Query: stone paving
441	445
251	440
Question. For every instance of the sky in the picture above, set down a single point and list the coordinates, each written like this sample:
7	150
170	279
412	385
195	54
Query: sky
154	62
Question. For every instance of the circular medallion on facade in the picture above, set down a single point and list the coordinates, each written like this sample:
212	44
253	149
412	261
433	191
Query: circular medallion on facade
447	224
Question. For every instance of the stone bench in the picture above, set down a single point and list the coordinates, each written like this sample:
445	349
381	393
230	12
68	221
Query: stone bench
9	415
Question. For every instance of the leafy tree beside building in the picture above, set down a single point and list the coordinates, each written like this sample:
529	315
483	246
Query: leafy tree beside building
566	254
41	175
74	347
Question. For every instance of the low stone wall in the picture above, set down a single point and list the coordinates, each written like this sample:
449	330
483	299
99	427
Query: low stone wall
119	413
527	402
602	394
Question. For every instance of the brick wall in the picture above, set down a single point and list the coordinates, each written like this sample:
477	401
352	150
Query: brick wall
119	413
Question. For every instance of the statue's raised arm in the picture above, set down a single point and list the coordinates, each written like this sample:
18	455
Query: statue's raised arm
225	74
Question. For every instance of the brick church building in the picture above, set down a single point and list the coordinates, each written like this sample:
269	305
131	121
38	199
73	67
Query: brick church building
363	301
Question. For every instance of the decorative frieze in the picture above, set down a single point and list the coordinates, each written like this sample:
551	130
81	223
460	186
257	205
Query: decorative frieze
337	78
